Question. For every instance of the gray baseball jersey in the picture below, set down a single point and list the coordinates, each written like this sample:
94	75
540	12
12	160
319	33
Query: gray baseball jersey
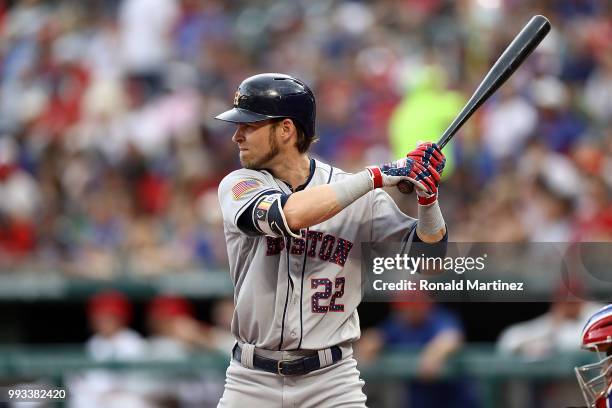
299	291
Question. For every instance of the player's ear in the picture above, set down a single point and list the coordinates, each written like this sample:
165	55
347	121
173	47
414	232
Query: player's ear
288	129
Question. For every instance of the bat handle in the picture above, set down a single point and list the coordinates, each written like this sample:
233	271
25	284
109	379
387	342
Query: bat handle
405	187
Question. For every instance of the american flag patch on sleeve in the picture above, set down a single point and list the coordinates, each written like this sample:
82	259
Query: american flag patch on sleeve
244	186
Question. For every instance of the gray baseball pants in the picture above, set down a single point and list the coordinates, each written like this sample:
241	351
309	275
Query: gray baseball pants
334	386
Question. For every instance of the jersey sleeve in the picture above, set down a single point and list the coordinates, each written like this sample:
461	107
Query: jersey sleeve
253	205
389	223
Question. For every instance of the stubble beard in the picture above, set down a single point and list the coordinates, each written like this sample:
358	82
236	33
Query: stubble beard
261	163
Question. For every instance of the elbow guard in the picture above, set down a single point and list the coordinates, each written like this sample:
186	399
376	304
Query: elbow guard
269	219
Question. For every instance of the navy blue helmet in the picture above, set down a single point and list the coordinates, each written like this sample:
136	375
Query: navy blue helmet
273	96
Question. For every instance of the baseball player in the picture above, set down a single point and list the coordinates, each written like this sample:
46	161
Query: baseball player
293	225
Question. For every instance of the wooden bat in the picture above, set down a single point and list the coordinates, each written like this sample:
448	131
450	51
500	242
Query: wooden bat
519	49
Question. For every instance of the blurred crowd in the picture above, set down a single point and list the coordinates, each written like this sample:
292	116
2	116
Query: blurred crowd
110	157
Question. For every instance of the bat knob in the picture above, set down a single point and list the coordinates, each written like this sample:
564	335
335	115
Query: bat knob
405	187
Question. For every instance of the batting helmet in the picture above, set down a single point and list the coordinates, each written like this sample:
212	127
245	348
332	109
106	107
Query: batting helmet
273	96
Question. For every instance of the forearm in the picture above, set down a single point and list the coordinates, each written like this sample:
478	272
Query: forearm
444	344
307	208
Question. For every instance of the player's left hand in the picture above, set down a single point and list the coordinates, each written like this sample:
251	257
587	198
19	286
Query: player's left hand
431	158
429	154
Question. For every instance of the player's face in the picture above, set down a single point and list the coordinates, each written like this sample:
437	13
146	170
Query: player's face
257	144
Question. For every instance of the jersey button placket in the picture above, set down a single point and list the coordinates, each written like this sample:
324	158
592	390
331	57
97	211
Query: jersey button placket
293	306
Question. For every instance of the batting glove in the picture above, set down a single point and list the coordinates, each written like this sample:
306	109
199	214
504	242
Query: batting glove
429	154
432	158
424	179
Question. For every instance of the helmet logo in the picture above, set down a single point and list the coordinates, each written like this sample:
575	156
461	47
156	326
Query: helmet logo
236	97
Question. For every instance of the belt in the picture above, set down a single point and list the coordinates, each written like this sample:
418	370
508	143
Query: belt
300	366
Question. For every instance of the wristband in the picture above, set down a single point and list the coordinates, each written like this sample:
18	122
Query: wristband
422	200
430	218
376	175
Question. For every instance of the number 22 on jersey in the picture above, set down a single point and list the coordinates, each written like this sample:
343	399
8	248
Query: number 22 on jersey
326	293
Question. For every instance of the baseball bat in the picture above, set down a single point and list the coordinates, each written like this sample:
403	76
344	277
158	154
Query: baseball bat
519	49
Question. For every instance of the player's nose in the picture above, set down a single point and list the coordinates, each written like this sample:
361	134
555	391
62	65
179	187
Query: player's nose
238	134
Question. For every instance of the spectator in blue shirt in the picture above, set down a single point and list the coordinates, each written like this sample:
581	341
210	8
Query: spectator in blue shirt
438	333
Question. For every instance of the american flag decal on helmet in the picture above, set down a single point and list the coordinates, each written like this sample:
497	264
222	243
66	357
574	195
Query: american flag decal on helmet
243	187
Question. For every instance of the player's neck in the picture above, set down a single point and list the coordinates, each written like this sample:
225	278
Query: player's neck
293	169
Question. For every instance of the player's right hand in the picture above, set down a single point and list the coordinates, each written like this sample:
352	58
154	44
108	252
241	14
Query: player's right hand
390	174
